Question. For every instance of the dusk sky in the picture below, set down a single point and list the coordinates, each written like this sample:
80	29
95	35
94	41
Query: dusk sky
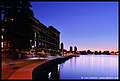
87	25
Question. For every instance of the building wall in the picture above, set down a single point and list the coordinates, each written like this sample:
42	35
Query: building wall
20	27
46	38
16	22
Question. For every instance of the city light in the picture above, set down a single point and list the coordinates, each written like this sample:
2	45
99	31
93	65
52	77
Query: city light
3	30
30	41
1	44
1	36
32	46
32	50
35	44
35	35
5	19
12	19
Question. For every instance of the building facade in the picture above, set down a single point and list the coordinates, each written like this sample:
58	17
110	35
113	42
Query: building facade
62	47
16	26
71	49
21	30
45	38
75	49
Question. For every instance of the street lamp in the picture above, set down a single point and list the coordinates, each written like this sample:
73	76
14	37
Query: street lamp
32	47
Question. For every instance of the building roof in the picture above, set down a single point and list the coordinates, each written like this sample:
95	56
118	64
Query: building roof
52	28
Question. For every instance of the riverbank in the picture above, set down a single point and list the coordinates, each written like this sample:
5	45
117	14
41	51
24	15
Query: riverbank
41	72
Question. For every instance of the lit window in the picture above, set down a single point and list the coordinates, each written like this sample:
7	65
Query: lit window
1	44
40	43
1	36
5	19
2	16
35	35
35	44
32	46
30	41
12	19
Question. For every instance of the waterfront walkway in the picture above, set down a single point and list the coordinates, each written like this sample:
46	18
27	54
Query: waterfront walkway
25	72
22	68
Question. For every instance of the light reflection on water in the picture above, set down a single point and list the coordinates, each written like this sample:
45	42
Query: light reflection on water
90	67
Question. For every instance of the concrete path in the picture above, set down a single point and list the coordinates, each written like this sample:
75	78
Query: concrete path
25	73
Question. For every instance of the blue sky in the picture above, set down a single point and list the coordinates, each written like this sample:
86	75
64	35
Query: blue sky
87	25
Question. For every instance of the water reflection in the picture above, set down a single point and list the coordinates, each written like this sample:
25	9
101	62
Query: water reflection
85	67
90	67
54	74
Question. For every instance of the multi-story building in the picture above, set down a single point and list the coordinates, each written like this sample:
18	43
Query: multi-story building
75	49
16	26
71	49
45	38
62	47
21	30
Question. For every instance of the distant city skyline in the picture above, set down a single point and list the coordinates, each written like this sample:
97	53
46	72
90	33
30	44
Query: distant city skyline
87	25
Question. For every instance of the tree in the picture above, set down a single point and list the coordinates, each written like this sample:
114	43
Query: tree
99	52
96	52
88	52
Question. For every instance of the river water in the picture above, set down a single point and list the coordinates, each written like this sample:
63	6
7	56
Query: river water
89	67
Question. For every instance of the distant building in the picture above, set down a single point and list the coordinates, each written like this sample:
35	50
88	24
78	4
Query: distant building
106	52
46	38
71	49
62	46
75	49
100	52
83	52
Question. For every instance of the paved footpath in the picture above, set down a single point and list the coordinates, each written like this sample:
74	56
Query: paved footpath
25	73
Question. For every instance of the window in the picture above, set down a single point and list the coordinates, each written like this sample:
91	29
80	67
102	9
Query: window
2	36
18	10
35	44
2	15
12	19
